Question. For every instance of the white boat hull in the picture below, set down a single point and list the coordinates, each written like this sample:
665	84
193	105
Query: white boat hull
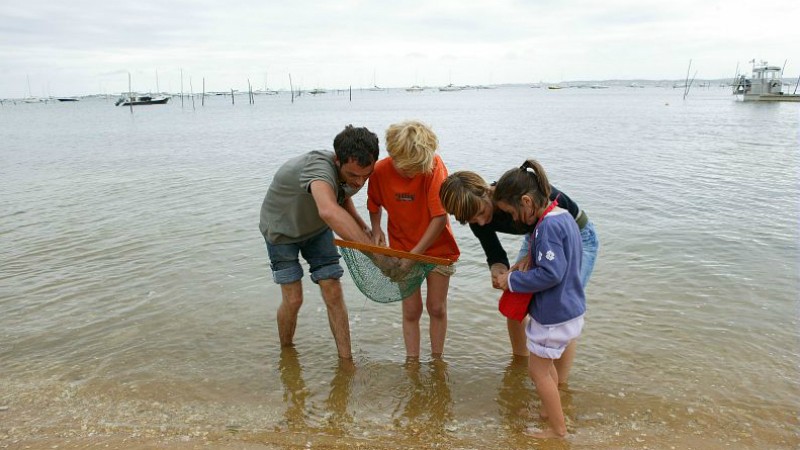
770	97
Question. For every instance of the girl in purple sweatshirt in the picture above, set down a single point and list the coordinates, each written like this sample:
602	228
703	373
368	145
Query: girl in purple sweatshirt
553	276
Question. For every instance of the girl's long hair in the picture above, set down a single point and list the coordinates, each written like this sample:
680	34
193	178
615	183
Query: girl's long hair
529	179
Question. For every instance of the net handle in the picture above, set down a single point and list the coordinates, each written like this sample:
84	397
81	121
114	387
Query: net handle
392	252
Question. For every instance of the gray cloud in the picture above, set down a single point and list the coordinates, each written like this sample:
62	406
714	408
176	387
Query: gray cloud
89	42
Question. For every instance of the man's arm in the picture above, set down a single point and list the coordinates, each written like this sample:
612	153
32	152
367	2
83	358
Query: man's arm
338	218
350	207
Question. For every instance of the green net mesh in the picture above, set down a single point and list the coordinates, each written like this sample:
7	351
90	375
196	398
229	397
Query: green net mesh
377	278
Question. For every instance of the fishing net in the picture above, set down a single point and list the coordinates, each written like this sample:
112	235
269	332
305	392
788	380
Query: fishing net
380	273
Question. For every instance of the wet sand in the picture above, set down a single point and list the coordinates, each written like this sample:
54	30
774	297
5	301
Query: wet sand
66	416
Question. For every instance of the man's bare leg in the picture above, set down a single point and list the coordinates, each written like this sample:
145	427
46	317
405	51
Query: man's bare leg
291	300
337	316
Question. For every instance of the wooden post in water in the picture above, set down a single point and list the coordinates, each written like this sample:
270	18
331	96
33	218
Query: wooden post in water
130	93
686	83
291	88
233	102
351	92
181	88
191	92
203	98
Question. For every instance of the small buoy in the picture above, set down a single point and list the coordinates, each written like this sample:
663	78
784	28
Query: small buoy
666	104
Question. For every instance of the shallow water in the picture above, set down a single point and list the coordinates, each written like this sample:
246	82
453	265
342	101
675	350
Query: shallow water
137	302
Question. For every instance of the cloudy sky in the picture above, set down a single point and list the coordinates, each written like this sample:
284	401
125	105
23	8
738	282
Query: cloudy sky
77	47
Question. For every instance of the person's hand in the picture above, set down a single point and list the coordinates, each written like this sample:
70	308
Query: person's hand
378	238
403	268
386	264
399	270
502	280
497	270
523	265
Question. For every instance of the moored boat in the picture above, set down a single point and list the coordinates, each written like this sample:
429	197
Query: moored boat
450	88
764	85
136	100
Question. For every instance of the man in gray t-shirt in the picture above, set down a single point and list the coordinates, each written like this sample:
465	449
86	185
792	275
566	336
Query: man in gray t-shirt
308	200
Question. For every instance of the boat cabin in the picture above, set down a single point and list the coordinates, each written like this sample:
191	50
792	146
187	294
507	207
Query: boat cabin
765	82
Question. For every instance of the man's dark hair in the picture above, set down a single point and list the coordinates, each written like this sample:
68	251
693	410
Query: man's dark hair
358	144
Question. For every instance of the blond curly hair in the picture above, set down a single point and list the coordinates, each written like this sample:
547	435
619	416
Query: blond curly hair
412	145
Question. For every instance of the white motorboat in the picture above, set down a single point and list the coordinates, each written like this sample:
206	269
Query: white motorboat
450	88
136	100
764	85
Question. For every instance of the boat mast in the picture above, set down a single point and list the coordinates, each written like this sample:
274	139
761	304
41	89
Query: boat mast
782	69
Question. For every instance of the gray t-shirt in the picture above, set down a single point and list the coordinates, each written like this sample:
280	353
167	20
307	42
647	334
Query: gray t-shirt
289	213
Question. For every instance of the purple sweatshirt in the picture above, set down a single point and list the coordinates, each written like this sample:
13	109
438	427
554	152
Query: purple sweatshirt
554	274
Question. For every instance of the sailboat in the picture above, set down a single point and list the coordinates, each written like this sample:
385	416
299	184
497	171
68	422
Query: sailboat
450	87
375	87
30	98
266	90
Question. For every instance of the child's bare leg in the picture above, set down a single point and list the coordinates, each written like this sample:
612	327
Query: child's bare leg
554	375
564	364
516	334
540	370
436	304
412	311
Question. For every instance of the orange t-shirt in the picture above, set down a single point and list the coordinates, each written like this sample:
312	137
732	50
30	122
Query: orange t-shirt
410	204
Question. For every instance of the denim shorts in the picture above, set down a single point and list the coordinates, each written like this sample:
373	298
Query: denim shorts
590	245
319	251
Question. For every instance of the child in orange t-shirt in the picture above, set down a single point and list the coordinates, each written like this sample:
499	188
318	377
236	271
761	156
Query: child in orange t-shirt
406	184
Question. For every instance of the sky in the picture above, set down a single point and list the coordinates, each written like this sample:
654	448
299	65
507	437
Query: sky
78	47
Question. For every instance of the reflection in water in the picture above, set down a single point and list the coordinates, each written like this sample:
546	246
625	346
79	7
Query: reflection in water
295	392
518	402
516	397
339	397
298	415
427	405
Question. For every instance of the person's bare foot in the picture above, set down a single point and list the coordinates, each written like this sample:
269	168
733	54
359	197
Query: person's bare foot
547	433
